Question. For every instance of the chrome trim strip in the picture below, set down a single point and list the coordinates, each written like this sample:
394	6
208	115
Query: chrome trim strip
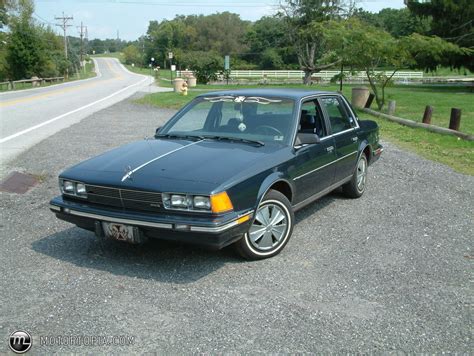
54	207
129	174
118	220
214	229
312	198
327	164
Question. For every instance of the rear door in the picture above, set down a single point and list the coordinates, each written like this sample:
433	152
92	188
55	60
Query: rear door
314	163
343	129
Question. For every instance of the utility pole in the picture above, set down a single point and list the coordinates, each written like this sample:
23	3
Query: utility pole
64	25
83	33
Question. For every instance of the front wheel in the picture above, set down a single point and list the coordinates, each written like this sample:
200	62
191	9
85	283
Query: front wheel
356	186
270	230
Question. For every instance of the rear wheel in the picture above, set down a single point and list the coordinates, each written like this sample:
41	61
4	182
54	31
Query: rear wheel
270	230
356	186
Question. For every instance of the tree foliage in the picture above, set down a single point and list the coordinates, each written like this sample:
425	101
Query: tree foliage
204	64
30	49
451	20
132	55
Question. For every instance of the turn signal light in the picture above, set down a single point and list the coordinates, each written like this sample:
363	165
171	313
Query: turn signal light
221	203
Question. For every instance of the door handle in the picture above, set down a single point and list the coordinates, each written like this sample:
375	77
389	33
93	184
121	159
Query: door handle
330	149
354	139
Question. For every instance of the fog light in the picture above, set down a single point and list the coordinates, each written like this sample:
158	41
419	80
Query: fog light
202	203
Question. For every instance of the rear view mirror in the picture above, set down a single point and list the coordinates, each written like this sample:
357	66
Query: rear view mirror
306	139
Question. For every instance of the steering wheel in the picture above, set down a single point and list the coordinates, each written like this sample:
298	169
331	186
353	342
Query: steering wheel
268	130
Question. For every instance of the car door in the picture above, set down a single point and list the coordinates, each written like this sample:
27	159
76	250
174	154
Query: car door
343	129
314	169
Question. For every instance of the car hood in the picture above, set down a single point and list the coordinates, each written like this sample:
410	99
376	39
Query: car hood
170	165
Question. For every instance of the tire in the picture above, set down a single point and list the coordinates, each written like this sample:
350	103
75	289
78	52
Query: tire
356	186
255	245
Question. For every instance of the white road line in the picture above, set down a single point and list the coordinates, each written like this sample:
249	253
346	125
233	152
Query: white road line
66	84
8	138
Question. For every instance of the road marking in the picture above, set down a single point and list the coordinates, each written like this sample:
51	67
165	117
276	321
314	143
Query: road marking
8	138
117	75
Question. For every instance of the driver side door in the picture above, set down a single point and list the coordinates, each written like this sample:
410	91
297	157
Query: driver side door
314	169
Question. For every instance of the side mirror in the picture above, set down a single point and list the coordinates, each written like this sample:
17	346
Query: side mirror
306	139
157	130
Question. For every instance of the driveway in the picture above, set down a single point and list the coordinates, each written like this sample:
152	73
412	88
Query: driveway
390	271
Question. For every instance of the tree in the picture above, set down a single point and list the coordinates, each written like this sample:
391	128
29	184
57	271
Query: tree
132	55
428	52
397	22
305	25
204	64
368	48
270	59
451	20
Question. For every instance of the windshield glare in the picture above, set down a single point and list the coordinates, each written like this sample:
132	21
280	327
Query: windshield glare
267	119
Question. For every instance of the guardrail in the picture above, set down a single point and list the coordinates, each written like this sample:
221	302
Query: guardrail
323	75
13	84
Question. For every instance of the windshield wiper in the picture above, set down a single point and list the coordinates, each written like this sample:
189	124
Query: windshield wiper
185	137
235	139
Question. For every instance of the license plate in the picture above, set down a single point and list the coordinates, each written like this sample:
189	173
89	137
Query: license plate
120	232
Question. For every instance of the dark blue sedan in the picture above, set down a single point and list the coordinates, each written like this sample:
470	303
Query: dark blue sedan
231	167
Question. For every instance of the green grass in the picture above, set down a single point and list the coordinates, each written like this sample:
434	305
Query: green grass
450	150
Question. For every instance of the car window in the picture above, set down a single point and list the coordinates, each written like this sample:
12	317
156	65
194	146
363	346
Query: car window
311	119
193	120
268	119
337	114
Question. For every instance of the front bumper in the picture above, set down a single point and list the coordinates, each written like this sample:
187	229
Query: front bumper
209	231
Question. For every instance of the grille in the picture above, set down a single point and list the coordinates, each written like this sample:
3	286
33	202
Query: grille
123	198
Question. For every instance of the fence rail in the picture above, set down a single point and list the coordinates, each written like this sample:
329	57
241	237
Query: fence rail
323	75
11	85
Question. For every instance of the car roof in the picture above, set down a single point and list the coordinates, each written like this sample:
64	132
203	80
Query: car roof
291	93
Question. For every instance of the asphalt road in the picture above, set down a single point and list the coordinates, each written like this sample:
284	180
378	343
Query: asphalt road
389	272
29	116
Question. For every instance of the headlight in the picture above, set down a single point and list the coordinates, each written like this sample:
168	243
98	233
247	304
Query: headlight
68	187
201	202
81	189
73	188
217	203
179	201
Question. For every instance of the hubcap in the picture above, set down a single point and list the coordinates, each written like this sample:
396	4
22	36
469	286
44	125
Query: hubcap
269	227
361	174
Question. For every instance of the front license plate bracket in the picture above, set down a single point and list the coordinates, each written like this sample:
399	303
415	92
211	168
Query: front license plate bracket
119	232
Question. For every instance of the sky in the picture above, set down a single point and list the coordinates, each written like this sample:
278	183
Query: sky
130	18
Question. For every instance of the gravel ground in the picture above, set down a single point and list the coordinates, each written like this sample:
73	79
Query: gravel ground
387	272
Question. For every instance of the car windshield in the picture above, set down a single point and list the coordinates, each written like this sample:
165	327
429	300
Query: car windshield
244	118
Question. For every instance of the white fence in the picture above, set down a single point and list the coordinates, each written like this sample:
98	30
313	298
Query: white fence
323	75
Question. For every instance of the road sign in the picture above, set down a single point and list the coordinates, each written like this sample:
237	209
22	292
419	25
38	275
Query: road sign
226	62
173	67
170	55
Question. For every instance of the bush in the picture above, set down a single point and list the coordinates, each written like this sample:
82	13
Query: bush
204	64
